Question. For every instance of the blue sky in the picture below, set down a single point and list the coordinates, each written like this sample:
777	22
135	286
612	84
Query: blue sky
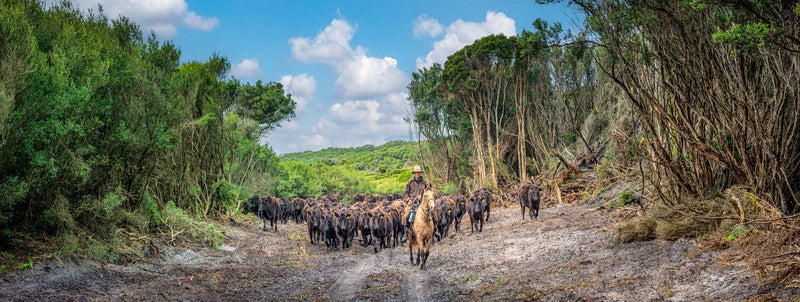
346	63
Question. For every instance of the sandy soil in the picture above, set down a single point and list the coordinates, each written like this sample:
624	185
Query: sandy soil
567	254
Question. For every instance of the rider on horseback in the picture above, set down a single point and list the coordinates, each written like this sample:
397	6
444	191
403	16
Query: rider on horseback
415	187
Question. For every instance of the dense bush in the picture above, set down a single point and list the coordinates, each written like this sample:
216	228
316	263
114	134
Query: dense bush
100	126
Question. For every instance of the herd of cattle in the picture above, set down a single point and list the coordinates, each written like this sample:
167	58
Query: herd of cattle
377	219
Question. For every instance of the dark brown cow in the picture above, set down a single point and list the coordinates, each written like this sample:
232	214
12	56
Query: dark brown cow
460	209
475	211
529	198
381	226
484	196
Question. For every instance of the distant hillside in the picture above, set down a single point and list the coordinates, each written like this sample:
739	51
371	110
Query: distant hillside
383	158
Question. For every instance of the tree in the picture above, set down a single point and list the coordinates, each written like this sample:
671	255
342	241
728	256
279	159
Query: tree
267	104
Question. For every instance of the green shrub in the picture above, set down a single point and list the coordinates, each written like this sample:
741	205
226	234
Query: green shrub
102	216
450	188
177	221
11	190
626	198
225	196
151	211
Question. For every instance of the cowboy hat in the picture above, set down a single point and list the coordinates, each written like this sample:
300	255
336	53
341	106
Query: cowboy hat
416	169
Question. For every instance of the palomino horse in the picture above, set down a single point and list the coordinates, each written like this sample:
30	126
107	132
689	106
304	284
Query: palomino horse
422	229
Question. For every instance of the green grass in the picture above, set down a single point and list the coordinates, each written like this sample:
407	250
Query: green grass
26	265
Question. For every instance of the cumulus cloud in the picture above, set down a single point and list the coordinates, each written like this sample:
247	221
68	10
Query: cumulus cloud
461	33
160	16
247	68
369	93
302	88
364	113
364	76
359	75
427	26
332	44
343	124
194	21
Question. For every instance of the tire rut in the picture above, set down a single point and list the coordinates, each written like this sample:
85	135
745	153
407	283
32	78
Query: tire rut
349	281
416	285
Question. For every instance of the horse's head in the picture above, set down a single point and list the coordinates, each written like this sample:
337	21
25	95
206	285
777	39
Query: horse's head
429	199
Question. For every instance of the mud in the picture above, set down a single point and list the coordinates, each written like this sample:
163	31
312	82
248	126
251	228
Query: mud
567	254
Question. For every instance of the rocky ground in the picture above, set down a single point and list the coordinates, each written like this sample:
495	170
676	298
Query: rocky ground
569	253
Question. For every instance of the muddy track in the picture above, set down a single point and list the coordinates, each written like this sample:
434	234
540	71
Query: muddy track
568	253
417	288
349	281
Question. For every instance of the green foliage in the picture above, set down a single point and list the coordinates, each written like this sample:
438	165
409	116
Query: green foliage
747	36
391	155
321	178
450	188
735	232
103	251
151	211
348	171
266	104
625	198
100	125
11	191
569	138
225	196
604	168
26	265
178	222
696	4
101	216
392	182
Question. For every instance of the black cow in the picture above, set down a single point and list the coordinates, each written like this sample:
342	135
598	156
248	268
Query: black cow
364	228
329	228
484	197
381	226
442	224
475	211
285	210
346	228
529	198
313	218
459	210
266	209
297	209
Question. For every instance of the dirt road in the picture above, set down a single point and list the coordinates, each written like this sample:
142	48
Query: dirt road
567	254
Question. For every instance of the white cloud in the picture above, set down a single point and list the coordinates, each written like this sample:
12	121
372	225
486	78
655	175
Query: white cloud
302	88
194	21
331	44
247	68
359	76
370	95
427	26
363	113
364	76
461	33
160	16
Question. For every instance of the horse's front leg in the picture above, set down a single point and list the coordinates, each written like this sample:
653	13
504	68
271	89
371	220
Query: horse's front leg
410	252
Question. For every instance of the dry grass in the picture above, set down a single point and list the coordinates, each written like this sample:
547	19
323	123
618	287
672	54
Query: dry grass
749	227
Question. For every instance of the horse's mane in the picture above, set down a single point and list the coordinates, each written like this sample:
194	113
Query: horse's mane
428	203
